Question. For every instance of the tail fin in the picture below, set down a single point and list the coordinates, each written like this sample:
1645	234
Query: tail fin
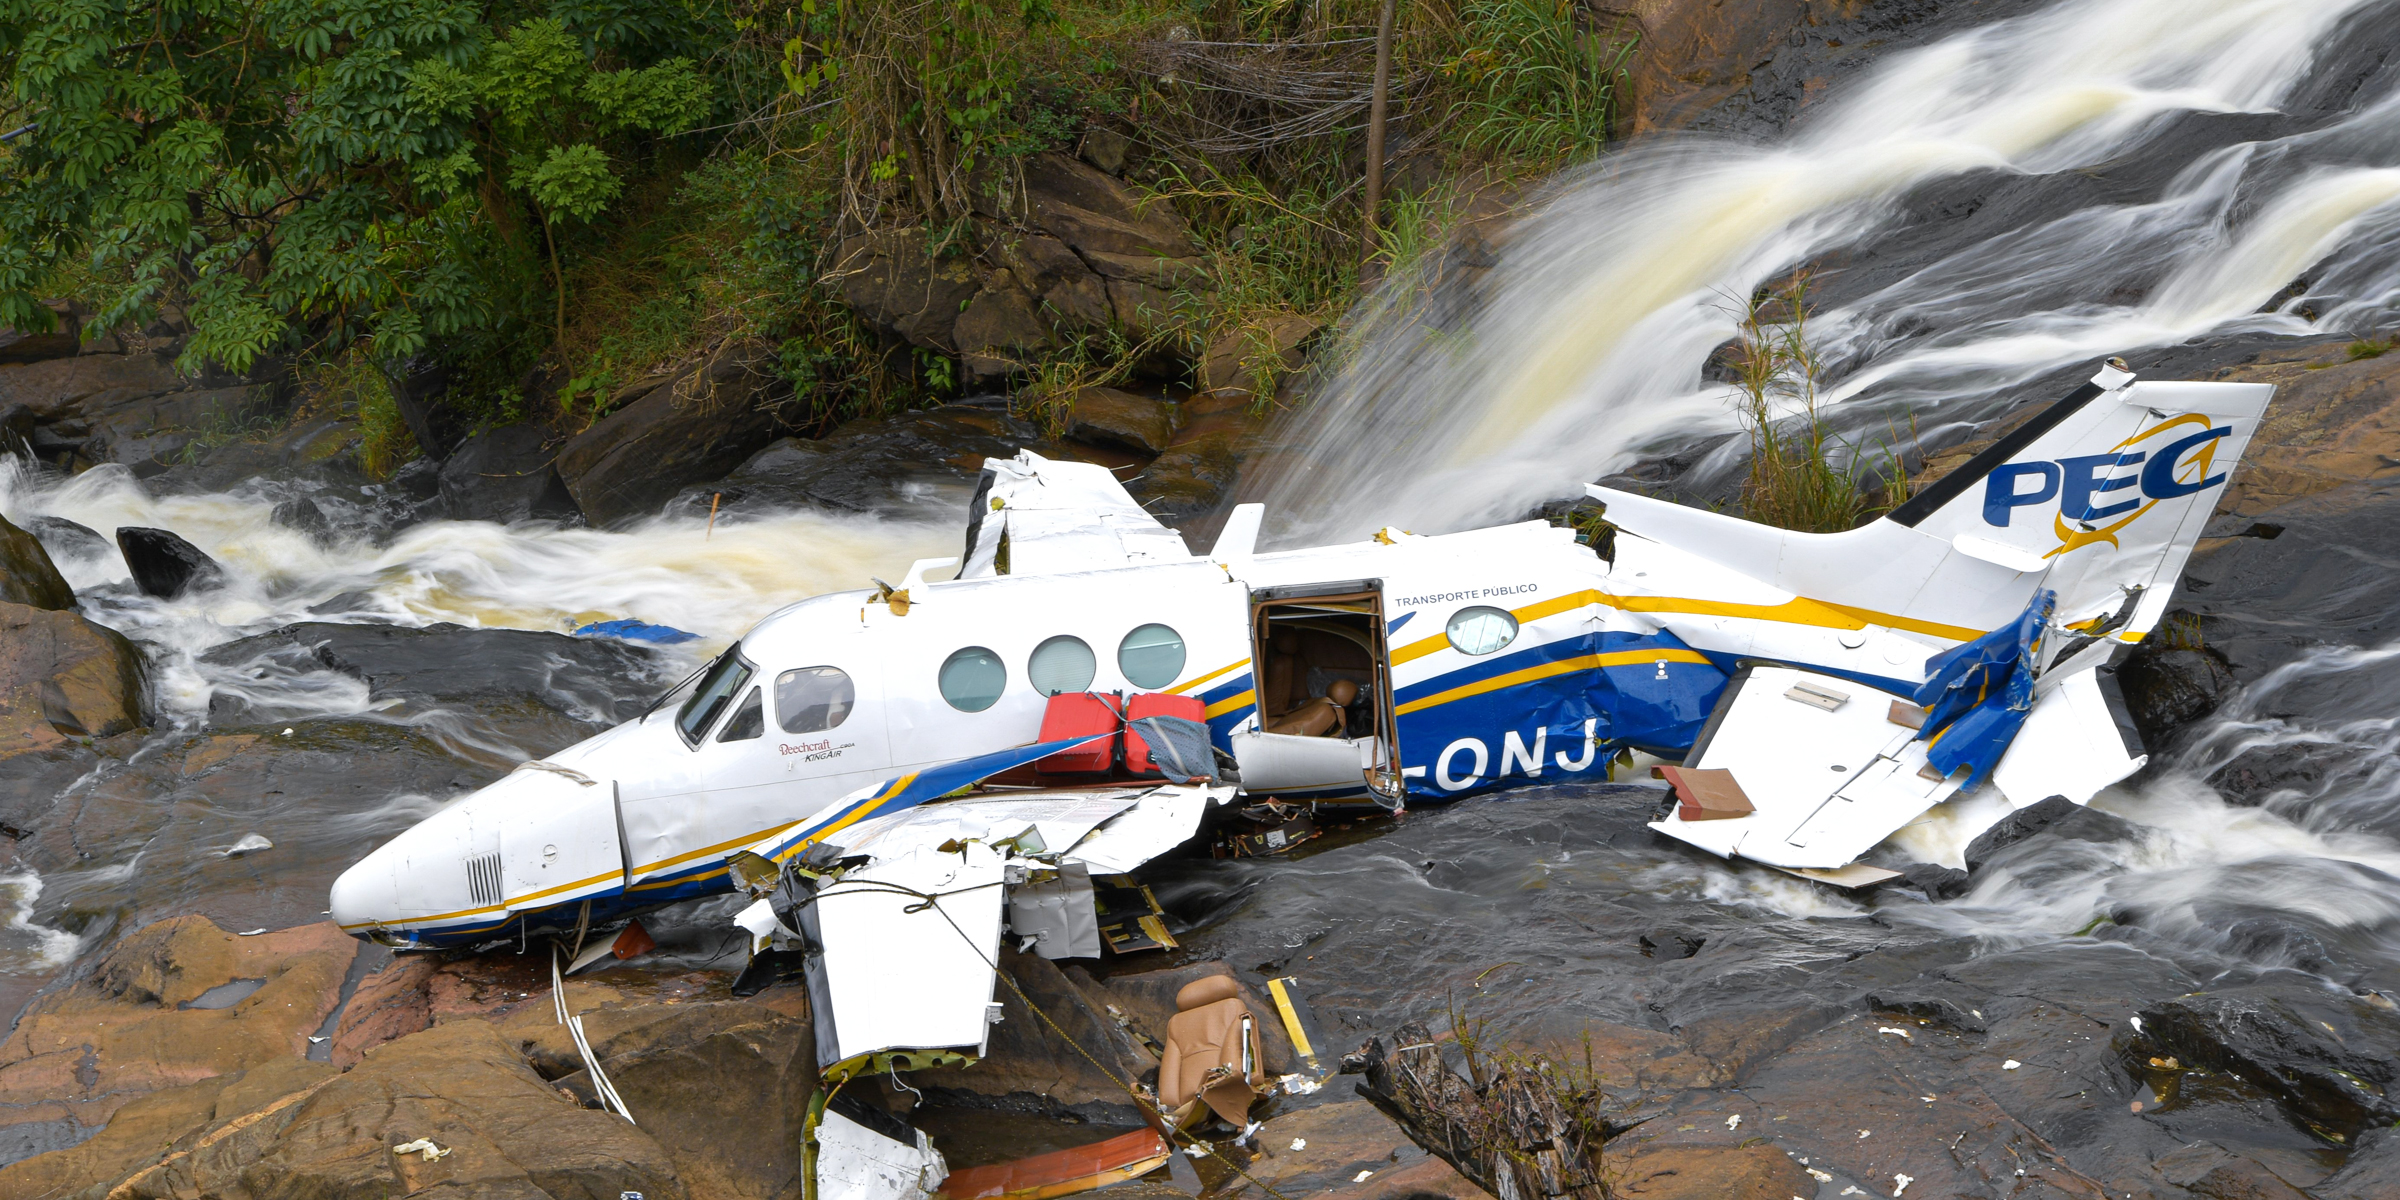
2099	497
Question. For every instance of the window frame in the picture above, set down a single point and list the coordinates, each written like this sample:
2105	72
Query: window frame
733	654
777	687
997	694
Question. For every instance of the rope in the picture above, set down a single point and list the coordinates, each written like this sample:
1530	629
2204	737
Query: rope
932	900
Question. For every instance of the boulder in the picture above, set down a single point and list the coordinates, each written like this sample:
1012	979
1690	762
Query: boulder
2372	1173
66	539
138	1134
177	1002
2205	1170
2323	1052
1244	364
324	449
152	434
2056	816
27	576
1193	475
301	514
694	427
63	677
506	474
2300	770
887	277
1001	330
64	387
419	386
2168	687
2334	422
1094	213
882	464
1105	149
723	1085
1114	418
64	338
1694	54
530	687
163	564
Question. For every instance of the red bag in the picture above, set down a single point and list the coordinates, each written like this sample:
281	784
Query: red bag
1080	714
1155	704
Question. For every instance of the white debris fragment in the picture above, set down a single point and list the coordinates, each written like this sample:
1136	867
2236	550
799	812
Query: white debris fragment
252	932
1852	1191
1197	1150
287	731
1298	1085
1900	1183
314	1039
1734	1121
1890	1030
1299	1143
1362	1177
1249	1131
1862	1134
2011	1065
423	1148
2137	1024
1819	1176
1926	1099
249	842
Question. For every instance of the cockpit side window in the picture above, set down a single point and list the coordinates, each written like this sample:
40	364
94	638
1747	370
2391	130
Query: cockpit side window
717	688
813	699
748	721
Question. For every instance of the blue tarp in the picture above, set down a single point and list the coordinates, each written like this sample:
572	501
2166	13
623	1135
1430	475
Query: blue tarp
628	629
1977	695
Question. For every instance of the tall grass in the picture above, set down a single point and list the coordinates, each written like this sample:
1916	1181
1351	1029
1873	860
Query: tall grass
1800	475
1538	85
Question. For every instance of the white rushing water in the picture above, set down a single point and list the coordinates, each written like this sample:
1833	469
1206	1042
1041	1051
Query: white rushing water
1583	347
669	570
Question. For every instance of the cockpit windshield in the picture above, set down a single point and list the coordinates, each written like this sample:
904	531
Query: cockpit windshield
724	679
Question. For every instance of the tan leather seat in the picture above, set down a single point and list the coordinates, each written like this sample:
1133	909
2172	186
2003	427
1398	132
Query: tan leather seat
1321	717
1283	674
1212	1057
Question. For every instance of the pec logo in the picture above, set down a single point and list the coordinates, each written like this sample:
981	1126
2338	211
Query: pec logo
2082	484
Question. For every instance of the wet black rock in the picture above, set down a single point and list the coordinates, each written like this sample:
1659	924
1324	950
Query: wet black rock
874	465
2303	770
2373	1172
538	691
1935	880
2327	1054
302	514
27	576
506	474
66	539
163	564
2166	689
2055	813
693	427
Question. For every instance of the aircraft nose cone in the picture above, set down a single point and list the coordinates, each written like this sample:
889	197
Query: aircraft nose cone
365	894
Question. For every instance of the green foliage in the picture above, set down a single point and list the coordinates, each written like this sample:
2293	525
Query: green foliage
2367	348
302	173
1536	84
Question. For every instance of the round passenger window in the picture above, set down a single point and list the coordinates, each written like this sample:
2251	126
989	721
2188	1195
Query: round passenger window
1481	630
972	679
1062	664
1151	656
813	699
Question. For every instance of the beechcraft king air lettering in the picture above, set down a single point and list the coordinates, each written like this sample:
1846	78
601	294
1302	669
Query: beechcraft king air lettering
1843	684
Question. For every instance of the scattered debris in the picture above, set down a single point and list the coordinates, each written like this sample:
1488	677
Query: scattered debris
423	1148
1862	1134
1299	1143
287	731
1888	1029
1819	1176
1362	1177
1734	1121
2137	1024
1900	1183
2011	1065
2166	1064
252	932
249	842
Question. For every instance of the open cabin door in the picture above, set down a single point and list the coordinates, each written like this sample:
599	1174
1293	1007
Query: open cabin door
1324	725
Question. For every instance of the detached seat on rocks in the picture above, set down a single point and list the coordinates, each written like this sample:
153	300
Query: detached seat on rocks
1212	1058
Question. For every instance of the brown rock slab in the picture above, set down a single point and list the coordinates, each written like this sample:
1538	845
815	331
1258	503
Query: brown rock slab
63	677
694	427
148	1129
1711	1173
62	387
27	576
1341	1140
888	278
1243	364
2333	422
64	337
1117	418
1001	329
129	1029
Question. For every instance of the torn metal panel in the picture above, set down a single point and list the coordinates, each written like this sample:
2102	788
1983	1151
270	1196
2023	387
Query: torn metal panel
1034	516
1164	818
1825	785
854	1162
1057	913
904	952
1056	822
2068	747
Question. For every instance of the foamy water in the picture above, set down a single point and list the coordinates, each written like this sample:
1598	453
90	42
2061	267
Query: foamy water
1582	349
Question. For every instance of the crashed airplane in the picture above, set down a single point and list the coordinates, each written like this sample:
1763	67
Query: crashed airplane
1088	694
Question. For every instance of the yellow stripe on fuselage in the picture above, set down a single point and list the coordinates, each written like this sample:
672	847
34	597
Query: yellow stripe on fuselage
1585	662
1181	688
1799	610
1237	701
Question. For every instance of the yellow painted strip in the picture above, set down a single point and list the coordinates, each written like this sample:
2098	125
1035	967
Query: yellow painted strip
514	901
1230	703
747	839
1546	670
1800	610
1181	688
864	809
678	881
1291	1019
